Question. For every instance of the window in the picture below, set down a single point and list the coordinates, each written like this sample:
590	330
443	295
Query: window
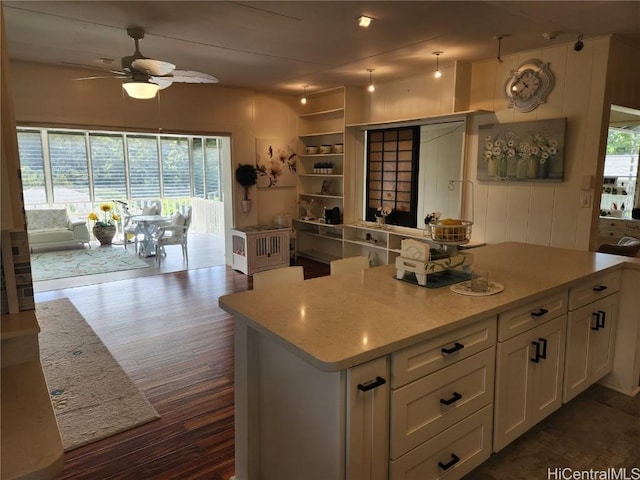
66	166
32	167
392	174
213	169
108	167
69	167
144	170
175	167
620	184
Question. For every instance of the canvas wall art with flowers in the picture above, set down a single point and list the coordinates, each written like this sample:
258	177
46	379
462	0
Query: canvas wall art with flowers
276	163
523	151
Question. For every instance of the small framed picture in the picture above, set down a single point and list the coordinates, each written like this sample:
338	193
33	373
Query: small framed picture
326	187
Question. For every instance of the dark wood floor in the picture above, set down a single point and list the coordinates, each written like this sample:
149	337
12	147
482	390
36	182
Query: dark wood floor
173	340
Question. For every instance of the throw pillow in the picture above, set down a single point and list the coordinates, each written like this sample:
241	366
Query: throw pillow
149	210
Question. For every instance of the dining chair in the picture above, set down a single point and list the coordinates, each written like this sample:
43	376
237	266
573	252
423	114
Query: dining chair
154	207
176	233
278	277
129	228
359	262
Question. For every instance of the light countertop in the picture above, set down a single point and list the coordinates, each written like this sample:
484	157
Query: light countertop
340	321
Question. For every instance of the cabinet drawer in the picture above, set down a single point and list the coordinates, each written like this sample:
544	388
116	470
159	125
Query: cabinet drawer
520	319
451	454
427	357
428	406
599	287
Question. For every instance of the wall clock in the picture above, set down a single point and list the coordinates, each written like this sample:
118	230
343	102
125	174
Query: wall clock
528	85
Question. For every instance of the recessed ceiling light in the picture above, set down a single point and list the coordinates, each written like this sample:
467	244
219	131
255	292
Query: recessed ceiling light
364	21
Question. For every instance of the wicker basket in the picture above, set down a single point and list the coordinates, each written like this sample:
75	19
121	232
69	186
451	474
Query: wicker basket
450	233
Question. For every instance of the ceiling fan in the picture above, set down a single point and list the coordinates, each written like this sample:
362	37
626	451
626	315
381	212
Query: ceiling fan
145	76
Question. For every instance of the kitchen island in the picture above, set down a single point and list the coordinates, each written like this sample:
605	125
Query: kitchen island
333	375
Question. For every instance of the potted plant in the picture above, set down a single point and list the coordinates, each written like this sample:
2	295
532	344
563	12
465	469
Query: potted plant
104	228
247	176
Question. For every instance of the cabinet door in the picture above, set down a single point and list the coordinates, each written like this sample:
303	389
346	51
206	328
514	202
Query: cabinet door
512	387
548	371
602	339
590	335
528	380
368	421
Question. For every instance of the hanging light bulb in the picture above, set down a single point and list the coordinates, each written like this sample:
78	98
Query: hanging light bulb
371	87
438	73
303	100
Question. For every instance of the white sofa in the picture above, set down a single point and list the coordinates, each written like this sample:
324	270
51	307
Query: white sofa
52	227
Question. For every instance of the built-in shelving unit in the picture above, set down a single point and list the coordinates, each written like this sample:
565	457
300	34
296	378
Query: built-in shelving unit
321	175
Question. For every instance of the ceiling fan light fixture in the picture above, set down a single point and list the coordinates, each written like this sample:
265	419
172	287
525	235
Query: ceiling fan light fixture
141	90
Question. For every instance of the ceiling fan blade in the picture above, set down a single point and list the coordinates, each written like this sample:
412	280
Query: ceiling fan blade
162	82
188	76
93	67
96	78
153	67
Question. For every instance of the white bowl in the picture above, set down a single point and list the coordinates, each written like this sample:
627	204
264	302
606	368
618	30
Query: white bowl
312	150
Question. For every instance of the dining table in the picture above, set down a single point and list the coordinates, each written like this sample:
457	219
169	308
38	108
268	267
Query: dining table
148	225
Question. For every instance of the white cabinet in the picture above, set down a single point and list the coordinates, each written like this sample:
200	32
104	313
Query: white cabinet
529	370
450	454
368	421
255	250
625	375
381	245
613	229
441	404
591	334
318	241
593	311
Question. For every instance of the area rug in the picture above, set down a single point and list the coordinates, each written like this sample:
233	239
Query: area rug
93	398
74	263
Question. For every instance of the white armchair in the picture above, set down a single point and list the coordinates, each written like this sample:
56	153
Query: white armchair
176	233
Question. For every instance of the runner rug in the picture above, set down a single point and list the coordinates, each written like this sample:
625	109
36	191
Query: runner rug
74	263
93	398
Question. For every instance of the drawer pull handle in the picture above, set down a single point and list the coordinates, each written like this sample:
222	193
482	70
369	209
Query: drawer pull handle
600	288
446	466
599	317
456	396
539	313
457	346
371	385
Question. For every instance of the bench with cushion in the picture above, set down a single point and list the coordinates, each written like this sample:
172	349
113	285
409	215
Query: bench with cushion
52	227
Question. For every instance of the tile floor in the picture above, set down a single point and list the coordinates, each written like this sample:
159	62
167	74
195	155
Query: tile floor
597	430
